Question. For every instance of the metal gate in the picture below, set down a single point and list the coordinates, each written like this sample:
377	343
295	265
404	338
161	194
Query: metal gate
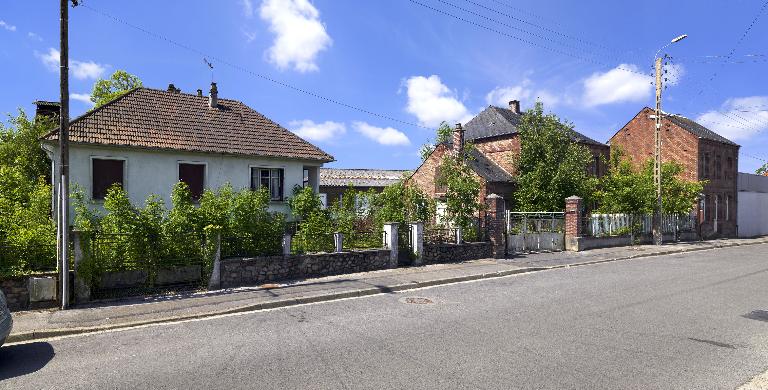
535	231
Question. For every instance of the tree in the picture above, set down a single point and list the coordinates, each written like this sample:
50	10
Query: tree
401	203
762	170
461	190
444	133
117	85
550	167
20	146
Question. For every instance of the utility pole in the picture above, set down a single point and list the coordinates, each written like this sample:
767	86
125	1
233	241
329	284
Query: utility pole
657	229
62	181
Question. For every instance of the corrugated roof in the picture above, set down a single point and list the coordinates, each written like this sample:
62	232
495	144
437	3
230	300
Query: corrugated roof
698	130
152	118
333	177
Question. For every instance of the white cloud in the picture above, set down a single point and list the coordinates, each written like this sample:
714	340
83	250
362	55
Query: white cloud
616	86
247	8
432	102
7	26
501	96
312	131
34	36
80	70
250	36
299	34
382	135
738	118
82	97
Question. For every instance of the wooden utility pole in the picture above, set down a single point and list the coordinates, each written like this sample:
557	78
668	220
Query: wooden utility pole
62	180
657	214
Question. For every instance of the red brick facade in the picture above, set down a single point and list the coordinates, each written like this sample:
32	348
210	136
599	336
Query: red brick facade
702	159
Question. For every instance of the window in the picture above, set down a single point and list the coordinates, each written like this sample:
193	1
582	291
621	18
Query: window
705	163
305	181
194	175
729	167
106	172
269	178
718	167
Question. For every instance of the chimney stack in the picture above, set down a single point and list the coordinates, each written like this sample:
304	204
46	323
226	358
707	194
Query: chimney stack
213	98
458	140
172	88
514	105
45	109
200	92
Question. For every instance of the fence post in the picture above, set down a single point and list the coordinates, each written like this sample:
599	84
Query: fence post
390	242
82	289
417	239
338	240
286	244
573	218
496	225
215	282
459	235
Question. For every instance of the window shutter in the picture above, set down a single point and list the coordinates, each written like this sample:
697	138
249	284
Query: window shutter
105	174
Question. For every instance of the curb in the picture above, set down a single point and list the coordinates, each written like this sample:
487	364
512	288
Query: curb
49	333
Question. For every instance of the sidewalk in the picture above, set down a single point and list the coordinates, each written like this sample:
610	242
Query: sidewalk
32	325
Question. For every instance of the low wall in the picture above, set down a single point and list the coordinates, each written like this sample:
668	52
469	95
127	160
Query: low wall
585	243
235	272
451	253
17	293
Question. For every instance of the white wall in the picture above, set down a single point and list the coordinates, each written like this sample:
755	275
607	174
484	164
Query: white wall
155	171
753	214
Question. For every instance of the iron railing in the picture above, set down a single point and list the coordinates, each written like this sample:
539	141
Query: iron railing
535	222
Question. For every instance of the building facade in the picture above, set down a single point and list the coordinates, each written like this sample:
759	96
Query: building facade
335	182
704	155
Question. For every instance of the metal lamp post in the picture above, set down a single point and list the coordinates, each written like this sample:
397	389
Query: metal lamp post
657	228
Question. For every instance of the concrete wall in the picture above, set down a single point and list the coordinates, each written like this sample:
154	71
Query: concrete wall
156	171
753	214
17	293
249	271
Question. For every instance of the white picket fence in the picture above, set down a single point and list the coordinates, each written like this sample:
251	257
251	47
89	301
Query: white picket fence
601	225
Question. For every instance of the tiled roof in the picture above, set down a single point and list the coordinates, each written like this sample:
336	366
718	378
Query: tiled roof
151	118
331	177
698	130
486	168
495	121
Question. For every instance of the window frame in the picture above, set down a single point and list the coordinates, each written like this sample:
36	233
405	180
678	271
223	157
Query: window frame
190	162
91	176
263	167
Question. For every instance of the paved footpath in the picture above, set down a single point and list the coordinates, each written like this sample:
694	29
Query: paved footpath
42	324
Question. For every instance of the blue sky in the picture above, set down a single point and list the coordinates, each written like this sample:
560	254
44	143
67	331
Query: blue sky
588	61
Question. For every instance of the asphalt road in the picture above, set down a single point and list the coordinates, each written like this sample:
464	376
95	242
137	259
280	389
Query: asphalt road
689	321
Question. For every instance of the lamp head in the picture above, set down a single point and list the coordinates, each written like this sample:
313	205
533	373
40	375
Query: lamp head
680	38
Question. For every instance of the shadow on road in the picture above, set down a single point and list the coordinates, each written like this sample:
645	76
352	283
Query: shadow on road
23	359
760	315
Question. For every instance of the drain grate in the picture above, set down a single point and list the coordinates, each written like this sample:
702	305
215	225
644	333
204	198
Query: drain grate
418	301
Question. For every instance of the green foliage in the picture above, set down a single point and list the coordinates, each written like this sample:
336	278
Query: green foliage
304	202
630	191
762	170
401	203
444	133
117	85
315	227
461	191
551	167
27	231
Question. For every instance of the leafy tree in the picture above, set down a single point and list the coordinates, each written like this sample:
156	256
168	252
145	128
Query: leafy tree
461	190
401	203
550	167
762	170
444	133
105	90
20	146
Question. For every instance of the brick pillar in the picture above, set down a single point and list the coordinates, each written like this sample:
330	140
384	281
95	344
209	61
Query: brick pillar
495	221
573	210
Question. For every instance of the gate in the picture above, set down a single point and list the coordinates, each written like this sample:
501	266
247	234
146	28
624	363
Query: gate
405	254
535	231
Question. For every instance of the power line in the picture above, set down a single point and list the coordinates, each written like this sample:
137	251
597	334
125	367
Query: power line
250	72
491	29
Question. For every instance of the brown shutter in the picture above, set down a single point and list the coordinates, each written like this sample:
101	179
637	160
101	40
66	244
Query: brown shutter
105	174
194	176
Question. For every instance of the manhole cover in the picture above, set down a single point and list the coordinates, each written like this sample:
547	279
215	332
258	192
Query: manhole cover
417	301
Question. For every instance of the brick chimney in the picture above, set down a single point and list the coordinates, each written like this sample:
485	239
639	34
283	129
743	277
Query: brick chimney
514	105
213	98
47	109
172	88
200	92
458	140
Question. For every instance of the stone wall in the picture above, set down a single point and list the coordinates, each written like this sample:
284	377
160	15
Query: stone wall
451	253
249	271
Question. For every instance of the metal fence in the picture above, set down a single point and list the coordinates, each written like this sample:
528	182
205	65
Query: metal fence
535	222
25	259
364	239
440	235
608	225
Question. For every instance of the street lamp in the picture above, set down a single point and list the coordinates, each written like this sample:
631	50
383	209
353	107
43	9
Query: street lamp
657	229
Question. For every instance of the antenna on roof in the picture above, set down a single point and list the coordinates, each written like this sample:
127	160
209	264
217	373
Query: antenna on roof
210	65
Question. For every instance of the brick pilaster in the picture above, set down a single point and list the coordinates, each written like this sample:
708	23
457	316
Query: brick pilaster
573	215
496	219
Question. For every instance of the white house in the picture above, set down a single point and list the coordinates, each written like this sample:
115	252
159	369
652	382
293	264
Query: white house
147	140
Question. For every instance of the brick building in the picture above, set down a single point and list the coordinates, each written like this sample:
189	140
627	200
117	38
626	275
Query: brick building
704	154
496	139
